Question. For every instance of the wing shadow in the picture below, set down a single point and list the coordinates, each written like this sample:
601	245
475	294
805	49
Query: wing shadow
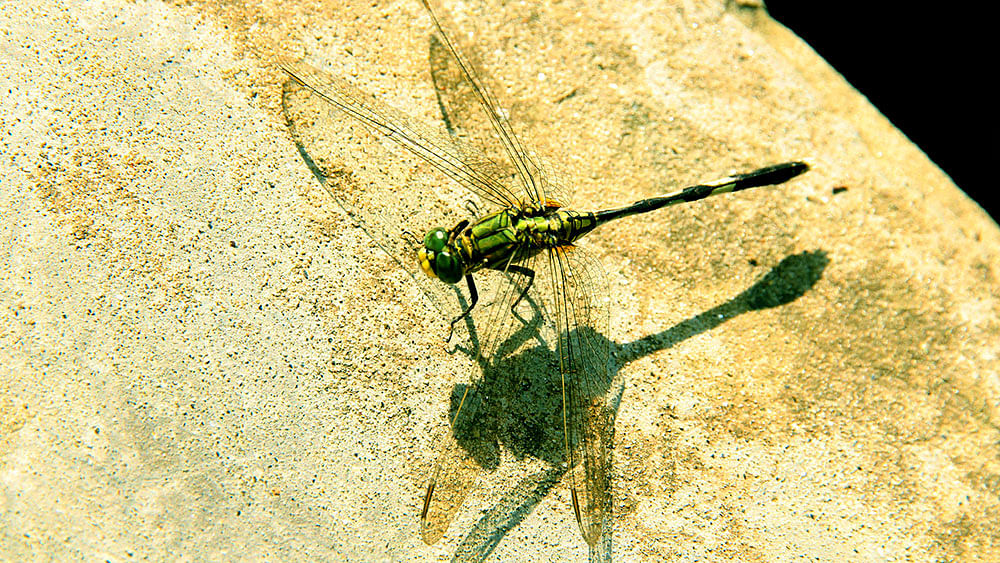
520	394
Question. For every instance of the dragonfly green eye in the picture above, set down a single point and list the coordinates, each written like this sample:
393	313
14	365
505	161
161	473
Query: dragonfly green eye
447	268
436	240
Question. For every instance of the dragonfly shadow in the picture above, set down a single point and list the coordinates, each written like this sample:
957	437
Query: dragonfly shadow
786	282
521	400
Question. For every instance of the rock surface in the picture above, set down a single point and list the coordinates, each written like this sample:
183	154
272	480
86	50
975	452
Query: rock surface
203	358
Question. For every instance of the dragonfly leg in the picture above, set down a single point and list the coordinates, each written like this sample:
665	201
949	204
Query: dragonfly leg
457	229
473	297
526	272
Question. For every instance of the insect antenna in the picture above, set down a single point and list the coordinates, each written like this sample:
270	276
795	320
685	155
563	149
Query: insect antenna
472	208
411	238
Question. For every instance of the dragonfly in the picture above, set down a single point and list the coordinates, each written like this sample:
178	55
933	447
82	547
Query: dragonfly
525	234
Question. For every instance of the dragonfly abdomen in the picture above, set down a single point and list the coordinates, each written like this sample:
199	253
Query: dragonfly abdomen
556	228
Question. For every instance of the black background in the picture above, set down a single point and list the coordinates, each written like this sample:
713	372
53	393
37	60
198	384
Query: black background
930	71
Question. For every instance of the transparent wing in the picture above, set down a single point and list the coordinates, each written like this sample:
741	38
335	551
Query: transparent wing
578	301
473	113
441	151
459	461
465	449
465	120
570	301
339	129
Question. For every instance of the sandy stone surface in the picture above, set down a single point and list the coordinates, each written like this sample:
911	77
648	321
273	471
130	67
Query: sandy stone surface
204	358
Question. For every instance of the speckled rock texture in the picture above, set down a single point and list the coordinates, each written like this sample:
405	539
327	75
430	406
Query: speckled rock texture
204	358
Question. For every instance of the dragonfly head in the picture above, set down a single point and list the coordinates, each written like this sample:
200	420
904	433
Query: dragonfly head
438	259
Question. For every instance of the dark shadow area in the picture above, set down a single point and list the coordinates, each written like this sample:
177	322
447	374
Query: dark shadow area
786	282
519	399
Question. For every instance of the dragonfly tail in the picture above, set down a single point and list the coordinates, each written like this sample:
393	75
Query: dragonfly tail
767	176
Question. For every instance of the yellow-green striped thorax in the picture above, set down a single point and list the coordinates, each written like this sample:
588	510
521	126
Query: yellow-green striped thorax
493	240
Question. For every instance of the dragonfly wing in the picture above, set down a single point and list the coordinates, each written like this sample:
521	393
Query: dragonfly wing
356	170
464	119
577	299
471	442
473	113
437	148
457	466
